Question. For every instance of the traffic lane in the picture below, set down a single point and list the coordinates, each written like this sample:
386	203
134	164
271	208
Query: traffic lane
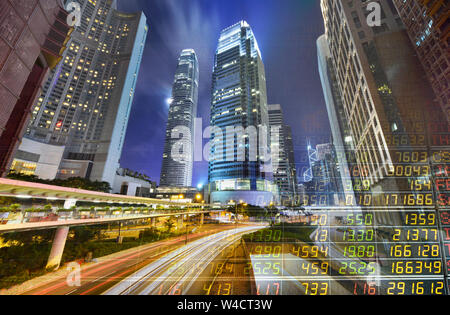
175	273
179	275
100	272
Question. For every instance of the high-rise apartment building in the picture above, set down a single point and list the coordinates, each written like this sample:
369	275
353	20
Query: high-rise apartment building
240	160
33	34
284	174
386	102
178	156
86	102
428	27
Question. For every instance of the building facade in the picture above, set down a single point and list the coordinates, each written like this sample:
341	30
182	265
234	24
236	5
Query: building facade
178	158
428	27
340	129
283	159
33	35
178	194
86	101
386	102
37	159
326	176
323	185
130	183
240	160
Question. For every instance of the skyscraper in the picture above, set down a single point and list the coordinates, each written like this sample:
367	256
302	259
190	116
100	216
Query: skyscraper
33	35
342	137
86	102
427	24
178	156
285	174
326	175
240	160
385	99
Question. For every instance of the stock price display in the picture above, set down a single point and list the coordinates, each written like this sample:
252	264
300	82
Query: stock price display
394	242
359	252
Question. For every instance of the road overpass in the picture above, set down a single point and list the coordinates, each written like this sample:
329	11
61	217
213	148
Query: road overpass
70	196
30	226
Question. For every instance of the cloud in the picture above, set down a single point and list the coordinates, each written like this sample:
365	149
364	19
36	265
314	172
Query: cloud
174	25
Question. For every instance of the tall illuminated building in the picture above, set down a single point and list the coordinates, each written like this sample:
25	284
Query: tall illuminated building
285	174
340	128
427	24
240	162
33	35
86	101
178	161
326	175
386	102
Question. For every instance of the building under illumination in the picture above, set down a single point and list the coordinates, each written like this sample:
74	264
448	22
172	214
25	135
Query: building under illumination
178	158
384	96
428	27
240	167
86	102
33	35
340	128
284	170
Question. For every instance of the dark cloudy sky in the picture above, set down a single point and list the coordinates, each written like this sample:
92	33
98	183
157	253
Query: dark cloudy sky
286	31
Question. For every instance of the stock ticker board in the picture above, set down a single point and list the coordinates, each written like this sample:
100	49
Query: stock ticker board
392	242
361	252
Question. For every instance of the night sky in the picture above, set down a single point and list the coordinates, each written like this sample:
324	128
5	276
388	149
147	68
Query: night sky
286	31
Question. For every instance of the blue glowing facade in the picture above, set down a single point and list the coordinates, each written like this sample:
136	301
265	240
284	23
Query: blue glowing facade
240	167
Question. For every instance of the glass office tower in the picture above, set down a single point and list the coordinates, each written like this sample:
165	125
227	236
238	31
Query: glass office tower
240	168
178	156
86	102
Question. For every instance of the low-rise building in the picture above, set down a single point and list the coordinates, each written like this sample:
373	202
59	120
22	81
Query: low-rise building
38	159
130	183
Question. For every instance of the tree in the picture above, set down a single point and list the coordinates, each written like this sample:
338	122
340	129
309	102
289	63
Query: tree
29	237
14	207
169	225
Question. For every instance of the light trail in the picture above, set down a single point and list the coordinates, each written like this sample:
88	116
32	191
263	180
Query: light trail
177	272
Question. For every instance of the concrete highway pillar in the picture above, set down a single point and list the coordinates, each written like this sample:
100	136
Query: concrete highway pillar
180	221
202	218
59	242
153	222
